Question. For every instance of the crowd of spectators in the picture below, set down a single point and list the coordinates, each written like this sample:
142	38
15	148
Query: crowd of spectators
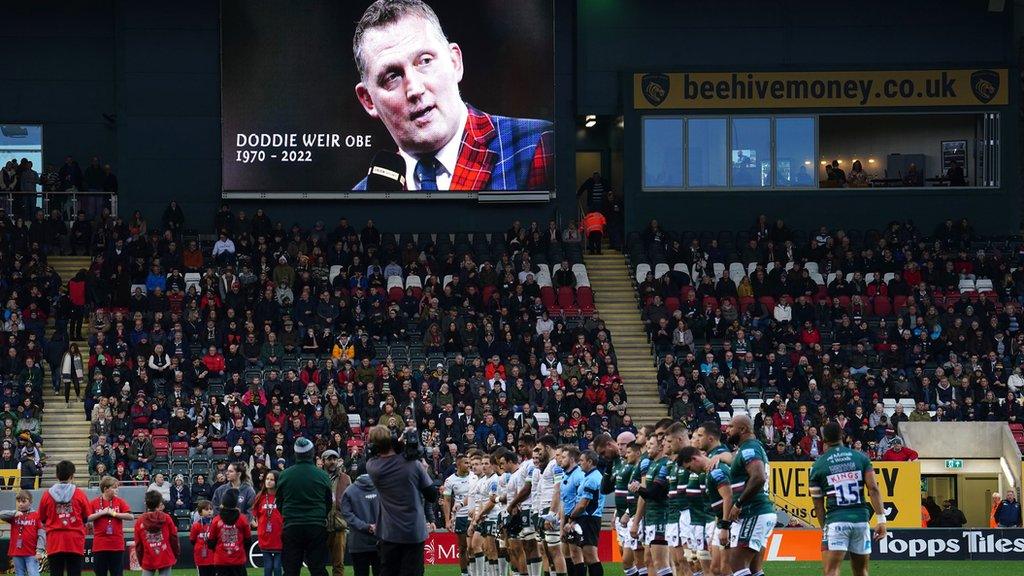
851	326
204	350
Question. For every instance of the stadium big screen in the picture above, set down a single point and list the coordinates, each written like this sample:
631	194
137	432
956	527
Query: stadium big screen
445	107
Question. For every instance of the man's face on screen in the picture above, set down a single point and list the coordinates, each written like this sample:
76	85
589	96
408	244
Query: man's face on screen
412	84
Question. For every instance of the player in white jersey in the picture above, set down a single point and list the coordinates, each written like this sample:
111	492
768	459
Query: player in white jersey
456	512
547	476
477	564
523	537
485	522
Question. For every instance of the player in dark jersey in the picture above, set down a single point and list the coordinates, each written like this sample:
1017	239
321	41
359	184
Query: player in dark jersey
839	479
707	437
753	514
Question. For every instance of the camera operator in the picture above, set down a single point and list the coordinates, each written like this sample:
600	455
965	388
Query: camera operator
397	470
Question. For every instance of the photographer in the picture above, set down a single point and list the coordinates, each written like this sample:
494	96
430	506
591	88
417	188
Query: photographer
402	485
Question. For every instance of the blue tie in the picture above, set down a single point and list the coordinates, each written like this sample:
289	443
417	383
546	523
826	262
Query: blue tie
426	173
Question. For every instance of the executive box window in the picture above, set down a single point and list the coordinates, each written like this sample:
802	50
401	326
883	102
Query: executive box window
729	152
663	152
751	152
794	152
20	142
705	164
910	150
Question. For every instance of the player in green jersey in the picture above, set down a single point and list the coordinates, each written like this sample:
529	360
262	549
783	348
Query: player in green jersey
625	501
753	514
717	500
708	438
677	514
838	481
652	493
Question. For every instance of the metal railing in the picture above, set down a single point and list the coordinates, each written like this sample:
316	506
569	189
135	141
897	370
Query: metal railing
70	206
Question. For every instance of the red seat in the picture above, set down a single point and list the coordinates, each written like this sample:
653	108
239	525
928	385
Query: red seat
161	446
395	294
160	433
882	306
672	304
709	301
685	292
585	300
746	302
547	296
844	301
899	303
417	292
220	447
487	292
179	448
567	301
1017	427
768	302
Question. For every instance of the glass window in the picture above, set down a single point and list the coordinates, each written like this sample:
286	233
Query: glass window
794	152
706	152
663	152
19	142
751	155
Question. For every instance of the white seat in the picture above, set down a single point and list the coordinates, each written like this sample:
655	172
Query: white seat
544	268
849	276
334	273
966	285
769	267
889	276
189	285
414	281
983	285
789	266
739	403
751	267
889	402
641	272
355	421
831	277
724	416
811	267
869	277
908	404
889	411
542	419
817	278
395	282
138	287
719	269
447	280
580	271
193	277
738	412
660	270
682	267
544	278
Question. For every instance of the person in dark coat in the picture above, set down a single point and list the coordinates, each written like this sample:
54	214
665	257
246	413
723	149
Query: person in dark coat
359	506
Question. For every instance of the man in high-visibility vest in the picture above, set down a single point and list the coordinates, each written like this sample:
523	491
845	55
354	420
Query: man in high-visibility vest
593	226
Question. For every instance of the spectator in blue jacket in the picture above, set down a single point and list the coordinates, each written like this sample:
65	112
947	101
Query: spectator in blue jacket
1008	512
488	427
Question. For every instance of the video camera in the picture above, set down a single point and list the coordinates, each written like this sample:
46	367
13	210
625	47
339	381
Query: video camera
407	444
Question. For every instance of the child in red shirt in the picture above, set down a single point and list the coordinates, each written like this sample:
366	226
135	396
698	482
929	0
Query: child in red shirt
229	537
156	538
201	554
28	540
269	523
108	515
64	512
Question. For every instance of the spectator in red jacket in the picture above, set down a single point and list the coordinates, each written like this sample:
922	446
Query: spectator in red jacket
108	513
214	362
229	537
156	538
783	419
27	543
899	453
268	522
810	334
64	512
201	553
